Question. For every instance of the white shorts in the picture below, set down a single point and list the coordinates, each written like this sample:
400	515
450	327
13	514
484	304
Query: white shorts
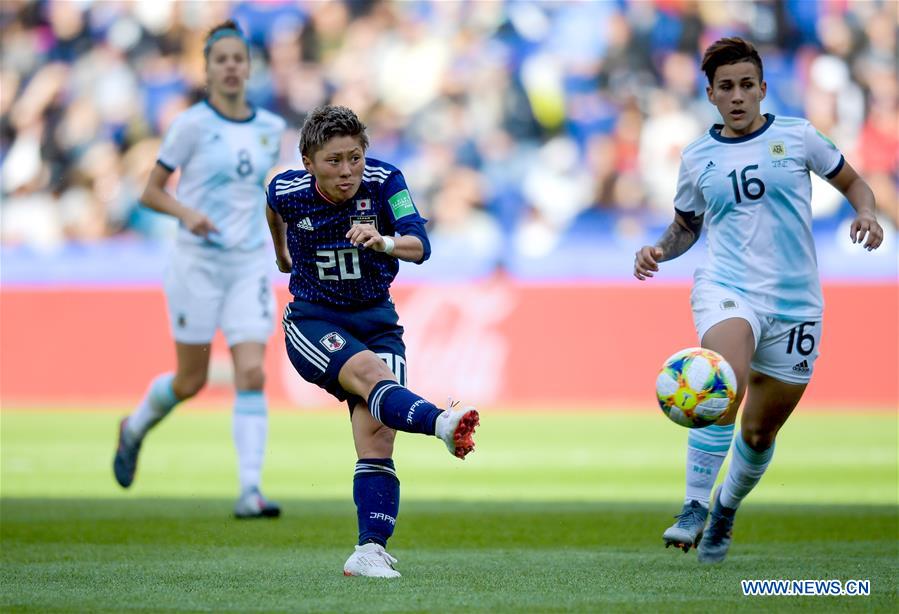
207	289
784	349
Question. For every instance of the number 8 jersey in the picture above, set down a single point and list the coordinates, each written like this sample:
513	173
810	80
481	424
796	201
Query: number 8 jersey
223	167
327	269
755	192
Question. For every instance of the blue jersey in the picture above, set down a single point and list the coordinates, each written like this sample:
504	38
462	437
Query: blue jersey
327	269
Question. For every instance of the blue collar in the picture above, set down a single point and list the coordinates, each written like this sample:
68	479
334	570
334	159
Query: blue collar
231	119
715	132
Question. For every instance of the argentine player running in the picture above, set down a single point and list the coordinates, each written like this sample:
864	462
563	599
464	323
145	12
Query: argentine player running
757	298
218	275
340	228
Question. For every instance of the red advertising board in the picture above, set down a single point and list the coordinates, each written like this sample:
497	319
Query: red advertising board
498	343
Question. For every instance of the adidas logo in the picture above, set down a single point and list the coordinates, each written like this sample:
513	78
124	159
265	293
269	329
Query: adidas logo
801	367
711	164
305	224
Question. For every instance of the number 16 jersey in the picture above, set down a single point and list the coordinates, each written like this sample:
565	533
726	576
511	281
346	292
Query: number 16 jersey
755	192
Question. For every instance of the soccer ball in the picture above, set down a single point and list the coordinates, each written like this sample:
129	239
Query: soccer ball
695	387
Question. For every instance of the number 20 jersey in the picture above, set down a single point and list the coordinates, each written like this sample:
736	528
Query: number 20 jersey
755	192
327	269
223	166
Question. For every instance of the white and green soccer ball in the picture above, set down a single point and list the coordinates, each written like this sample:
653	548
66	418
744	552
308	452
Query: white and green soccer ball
695	387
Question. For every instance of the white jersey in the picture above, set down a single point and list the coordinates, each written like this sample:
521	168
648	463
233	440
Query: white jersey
755	192
223	164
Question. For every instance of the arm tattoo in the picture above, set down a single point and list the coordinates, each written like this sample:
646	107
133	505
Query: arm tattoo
680	235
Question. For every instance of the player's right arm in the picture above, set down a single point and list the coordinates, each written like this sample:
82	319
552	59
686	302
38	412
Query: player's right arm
158	199
681	235
176	151
278	228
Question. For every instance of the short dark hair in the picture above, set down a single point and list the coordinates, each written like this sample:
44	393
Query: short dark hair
326	122
726	51
226	28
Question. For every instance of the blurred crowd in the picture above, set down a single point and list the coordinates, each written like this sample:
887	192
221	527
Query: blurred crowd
517	124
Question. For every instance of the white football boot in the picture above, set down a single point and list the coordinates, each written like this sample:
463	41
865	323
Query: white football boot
456	428
372	561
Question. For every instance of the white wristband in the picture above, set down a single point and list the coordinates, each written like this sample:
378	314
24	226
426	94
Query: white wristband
389	244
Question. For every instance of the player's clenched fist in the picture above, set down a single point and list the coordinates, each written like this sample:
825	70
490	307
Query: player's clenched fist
366	236
646	261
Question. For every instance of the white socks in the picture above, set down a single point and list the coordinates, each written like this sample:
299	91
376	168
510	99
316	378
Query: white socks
250	431
156	404
746	469
250	426
706	450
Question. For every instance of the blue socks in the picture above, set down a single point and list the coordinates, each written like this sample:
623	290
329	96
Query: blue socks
376	489
376	492
401	409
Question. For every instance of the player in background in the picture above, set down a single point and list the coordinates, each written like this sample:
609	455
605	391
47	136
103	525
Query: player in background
340	228
757	298
218	275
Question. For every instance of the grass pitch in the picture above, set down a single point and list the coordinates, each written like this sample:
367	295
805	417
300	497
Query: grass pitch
554	512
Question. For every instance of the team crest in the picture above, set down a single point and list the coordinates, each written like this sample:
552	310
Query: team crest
777	149
333	342
363	204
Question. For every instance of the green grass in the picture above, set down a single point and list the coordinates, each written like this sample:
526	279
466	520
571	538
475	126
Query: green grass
554	512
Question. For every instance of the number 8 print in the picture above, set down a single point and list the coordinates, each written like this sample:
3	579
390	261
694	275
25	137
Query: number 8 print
244	164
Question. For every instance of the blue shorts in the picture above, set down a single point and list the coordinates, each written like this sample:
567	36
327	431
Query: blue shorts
320	340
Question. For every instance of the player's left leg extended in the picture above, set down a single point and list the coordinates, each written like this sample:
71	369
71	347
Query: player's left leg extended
250	429
769	402
376	492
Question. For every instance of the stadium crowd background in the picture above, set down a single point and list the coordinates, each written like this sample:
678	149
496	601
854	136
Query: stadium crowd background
518	125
